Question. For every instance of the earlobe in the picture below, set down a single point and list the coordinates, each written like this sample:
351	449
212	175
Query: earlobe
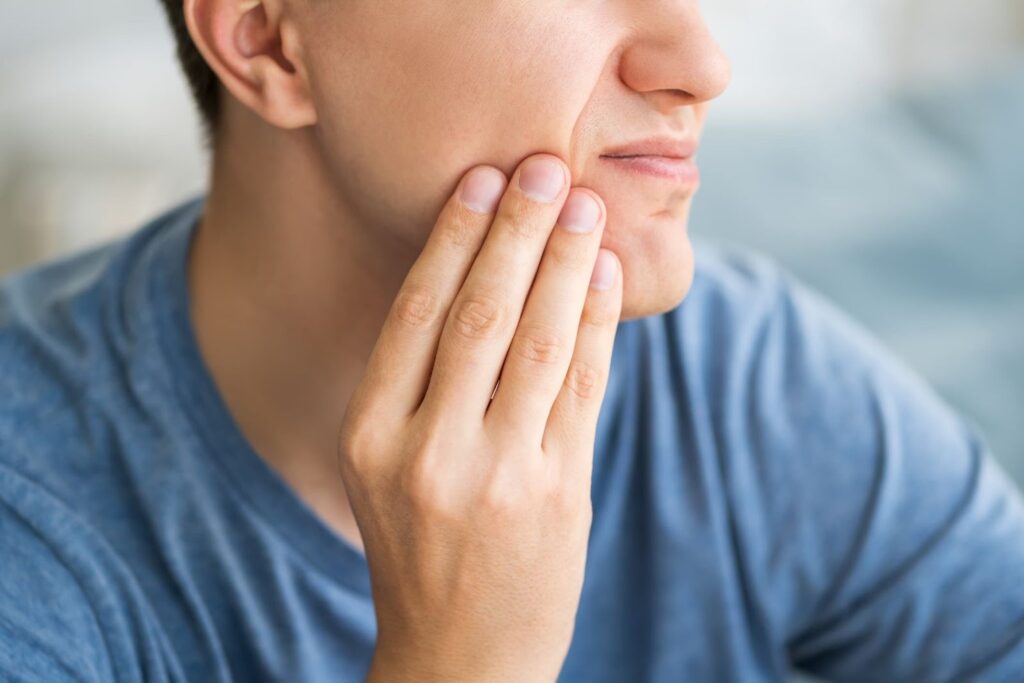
242	41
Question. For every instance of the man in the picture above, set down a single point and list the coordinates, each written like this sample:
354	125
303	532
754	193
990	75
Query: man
357	413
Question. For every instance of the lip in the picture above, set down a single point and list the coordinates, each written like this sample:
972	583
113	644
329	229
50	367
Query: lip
680	171
674	148
661	157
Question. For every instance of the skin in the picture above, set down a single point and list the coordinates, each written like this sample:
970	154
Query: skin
348	129
476	511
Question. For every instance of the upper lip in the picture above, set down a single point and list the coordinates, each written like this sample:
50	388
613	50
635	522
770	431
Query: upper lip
678	148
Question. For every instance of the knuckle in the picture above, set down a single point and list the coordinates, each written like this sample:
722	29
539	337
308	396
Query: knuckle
355	445
566	497
538	344
570	255
462	230
567	501
598	312
520	219
583	379
478	316
416	306
424	485
503	496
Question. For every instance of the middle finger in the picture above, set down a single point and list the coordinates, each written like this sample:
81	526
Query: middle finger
482	319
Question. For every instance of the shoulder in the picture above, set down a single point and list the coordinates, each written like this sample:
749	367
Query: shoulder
76	340
54	352
745	293
50	352
76	384
787	377
758	332
835	457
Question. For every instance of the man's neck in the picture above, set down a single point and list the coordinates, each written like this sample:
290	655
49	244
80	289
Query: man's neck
287	297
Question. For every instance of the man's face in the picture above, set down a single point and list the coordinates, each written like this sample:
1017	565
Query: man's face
410	94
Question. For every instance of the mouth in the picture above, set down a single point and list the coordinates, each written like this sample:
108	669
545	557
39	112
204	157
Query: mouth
679	170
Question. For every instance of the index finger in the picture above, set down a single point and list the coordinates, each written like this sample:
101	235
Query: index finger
399	366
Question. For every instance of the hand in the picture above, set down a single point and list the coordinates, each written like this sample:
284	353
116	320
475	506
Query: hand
475	513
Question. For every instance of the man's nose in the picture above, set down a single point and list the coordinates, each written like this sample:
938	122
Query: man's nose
672	49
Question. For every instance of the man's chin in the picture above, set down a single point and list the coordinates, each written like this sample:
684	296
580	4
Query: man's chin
657	262
654	293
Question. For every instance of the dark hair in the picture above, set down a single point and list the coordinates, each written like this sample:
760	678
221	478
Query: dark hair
201	78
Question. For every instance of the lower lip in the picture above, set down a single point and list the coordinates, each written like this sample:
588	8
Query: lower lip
683	171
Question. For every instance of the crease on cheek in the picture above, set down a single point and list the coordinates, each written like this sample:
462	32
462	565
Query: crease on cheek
582	155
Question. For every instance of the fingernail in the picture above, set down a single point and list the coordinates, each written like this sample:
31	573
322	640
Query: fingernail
580	213
482	189
604	271
542	179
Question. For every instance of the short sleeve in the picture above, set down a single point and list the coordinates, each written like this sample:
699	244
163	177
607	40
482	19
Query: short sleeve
879	538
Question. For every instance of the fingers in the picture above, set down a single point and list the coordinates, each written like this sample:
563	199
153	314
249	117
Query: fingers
543	343
486	311
573	420
400	364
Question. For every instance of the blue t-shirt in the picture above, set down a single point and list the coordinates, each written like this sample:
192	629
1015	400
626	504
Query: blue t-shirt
771	490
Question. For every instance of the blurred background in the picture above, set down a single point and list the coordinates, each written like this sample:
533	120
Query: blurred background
874	148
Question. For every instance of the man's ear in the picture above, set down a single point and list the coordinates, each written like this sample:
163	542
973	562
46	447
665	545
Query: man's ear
255	52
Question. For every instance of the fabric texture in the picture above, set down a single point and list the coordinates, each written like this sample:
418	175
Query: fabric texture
772	490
